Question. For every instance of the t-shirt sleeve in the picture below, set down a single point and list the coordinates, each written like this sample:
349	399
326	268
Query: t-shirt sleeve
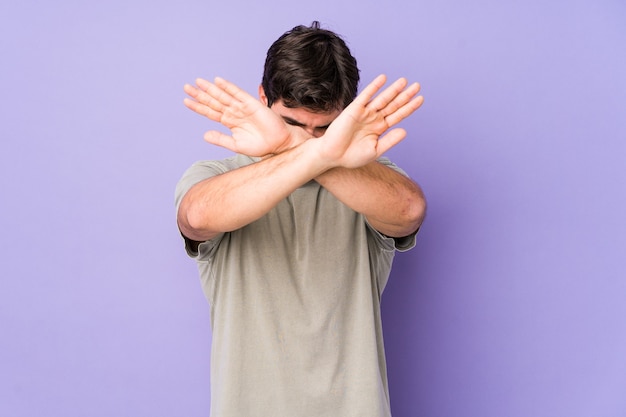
401	244
198	172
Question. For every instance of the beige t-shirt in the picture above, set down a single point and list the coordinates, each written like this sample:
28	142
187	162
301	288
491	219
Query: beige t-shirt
295	307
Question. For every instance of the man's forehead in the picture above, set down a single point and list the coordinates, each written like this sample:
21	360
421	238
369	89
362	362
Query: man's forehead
304	117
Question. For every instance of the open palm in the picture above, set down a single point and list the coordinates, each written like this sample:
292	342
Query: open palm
357	136
256	130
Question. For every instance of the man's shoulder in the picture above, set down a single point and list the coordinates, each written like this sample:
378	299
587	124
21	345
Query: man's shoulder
387	162
202	170
227	164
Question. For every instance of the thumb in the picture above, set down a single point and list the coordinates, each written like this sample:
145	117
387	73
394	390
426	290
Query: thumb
220	139
389	140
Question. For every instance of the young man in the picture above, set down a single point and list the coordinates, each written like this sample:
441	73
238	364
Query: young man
295	236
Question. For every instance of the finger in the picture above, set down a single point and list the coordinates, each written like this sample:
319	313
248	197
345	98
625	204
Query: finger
203	109
401	99
388	94
217	98
215	93
404	111
370	90
389	140
190	90
232	89
220	139
201	83
203	98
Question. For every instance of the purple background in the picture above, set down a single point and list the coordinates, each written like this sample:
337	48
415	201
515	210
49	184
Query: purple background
514	301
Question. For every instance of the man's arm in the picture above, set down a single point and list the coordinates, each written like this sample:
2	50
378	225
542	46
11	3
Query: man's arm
234	199
392	203
255	129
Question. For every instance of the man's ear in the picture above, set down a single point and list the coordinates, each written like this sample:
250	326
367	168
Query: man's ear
262	95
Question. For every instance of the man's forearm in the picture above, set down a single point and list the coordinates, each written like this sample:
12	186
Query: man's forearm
236	198
359	135
392	203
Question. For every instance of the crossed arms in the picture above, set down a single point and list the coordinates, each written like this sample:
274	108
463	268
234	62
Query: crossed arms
342	160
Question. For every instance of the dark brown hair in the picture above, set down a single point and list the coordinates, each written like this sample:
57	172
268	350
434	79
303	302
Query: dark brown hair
312	68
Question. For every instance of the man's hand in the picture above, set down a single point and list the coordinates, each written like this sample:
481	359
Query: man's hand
256	130
354	138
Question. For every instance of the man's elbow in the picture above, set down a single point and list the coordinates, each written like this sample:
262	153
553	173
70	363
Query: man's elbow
192	223
414	213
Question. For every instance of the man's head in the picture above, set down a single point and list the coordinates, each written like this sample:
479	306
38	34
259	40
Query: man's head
311	68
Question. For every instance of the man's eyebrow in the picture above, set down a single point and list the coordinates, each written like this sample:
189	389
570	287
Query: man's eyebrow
294	122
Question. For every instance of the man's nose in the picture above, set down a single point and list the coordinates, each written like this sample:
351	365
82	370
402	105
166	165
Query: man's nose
313	132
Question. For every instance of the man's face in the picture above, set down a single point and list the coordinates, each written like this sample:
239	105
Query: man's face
313	123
